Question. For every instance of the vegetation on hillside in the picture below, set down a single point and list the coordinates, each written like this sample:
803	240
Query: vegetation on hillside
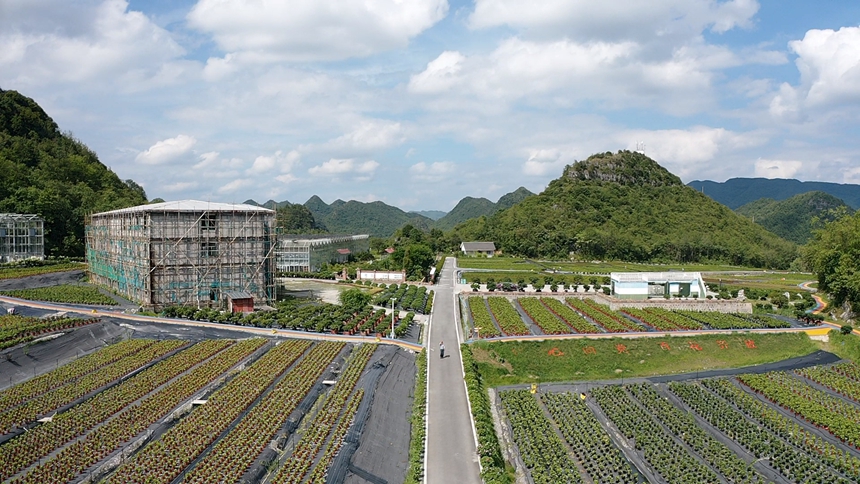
469	208
375	218
736	192
834	256
795	218
45	172
625	206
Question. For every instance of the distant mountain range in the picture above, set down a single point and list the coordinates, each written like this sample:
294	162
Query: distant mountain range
736	192
379	219
794	218
431	214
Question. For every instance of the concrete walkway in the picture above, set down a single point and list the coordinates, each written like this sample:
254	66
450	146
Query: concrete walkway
451	454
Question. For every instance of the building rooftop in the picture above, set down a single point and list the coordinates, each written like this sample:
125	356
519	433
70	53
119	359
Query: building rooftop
195	206
479	246
314	241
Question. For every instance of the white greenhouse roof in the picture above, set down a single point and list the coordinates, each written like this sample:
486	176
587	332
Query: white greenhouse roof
659	277
190	206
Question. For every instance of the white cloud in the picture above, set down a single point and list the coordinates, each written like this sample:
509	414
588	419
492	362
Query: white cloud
167	150
302	30
434	172
218	68
440	74
235	185
829	65
777	168
288	178
54	41
618	74
368	136
852	175
337	166
179	187
544	162
632	19
279	162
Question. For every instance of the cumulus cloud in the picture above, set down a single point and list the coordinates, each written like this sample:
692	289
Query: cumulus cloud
545	162
777	168
368	136
167	150
566	72
304	30
234	186
632	19
279	162
335	166
434	172
829	65
55	41
179	187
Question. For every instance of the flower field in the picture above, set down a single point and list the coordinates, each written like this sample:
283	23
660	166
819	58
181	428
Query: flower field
753	428
136	387
573	315
65	293
16	330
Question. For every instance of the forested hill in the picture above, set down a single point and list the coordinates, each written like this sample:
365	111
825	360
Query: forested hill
469	208
48	173
625	206
736	192
794	218
375	218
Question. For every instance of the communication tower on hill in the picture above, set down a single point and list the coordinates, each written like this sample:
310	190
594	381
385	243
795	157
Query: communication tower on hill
640	147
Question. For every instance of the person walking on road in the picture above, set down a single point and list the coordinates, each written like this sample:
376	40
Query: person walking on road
441	349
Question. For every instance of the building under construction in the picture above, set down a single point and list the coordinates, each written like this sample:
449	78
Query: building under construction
184	253
22	236
307	253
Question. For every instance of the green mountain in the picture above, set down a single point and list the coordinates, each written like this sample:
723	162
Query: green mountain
352	217
431	214
736	192
469	208
51	174
794	218
625	206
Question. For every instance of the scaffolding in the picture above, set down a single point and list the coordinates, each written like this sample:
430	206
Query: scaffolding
183	253
307	253
22	236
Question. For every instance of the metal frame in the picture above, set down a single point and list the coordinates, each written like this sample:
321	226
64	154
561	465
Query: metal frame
22	236
183	253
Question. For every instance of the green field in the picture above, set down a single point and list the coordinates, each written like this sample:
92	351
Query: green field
63	294
513	263
508	363
13	271
780	281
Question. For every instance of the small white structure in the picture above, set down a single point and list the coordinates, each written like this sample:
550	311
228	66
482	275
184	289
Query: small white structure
478	248
645	285
384	276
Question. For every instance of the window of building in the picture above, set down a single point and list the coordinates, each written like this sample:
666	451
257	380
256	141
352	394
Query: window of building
209	221
208	249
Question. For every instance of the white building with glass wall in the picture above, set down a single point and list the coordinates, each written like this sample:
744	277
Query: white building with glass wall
22	236
307	253
646	285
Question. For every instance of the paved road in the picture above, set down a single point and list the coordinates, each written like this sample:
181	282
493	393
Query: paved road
451	452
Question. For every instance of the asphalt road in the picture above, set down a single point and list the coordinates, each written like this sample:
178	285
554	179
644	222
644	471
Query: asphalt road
451	454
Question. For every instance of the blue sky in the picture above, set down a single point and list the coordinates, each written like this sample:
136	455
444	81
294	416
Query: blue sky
419	103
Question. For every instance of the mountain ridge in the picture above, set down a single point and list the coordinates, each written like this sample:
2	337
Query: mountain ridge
795	218
736	192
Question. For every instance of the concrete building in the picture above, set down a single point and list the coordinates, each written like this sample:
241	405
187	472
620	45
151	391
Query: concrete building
307	253
22	236
184	252
478	248
645	285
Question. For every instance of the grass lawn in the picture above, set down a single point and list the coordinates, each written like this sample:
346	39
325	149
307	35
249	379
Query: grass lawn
514	263
846	346
508	363
779	281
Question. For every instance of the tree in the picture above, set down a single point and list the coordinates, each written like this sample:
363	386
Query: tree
415	259
846	329
834	256
354	299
